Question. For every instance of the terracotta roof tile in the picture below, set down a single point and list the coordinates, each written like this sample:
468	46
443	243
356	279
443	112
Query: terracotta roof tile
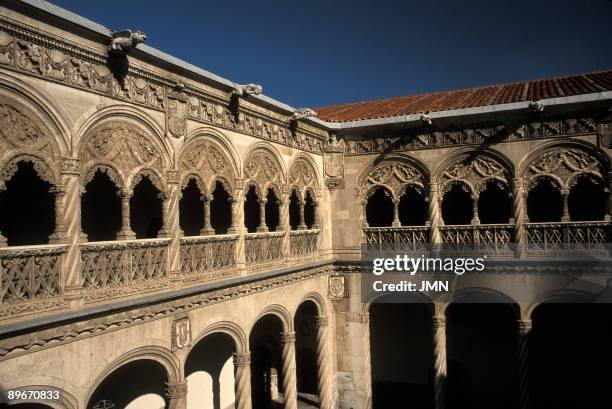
469	98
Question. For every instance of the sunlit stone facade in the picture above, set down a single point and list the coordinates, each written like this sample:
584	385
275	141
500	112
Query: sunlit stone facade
171	238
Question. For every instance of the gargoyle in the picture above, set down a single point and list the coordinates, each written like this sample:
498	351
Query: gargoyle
426	118
536	106
124	40
302	113
247	89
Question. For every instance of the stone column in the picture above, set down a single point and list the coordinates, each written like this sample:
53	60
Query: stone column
262	216
165	229
364	216
440	366
475	218
242	380
233	228
302	225
520	215
71	221
565	217
289	375
434	217
59	235
396	220
316	224
323	379
367	365
3	242
126	232
524	329
241	230
207	229
173	197
176	393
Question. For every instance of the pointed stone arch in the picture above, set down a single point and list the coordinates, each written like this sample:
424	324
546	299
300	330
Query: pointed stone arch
264	167
303	176
394	174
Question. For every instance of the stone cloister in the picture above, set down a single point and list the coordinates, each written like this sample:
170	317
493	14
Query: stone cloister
169	238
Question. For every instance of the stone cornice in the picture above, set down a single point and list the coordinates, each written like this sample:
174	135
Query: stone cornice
34	341
37	53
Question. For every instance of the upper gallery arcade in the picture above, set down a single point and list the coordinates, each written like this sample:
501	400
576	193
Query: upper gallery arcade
149	200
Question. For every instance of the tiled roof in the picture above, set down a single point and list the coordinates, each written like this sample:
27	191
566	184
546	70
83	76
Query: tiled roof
470	97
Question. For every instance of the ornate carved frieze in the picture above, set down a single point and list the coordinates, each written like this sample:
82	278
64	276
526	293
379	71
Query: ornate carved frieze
123	151
31	51
263	169
205	162
302	175
563	166
472	136
67	333
333	162
396	177
475	173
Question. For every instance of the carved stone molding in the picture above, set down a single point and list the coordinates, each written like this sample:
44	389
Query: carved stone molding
30	51
396	177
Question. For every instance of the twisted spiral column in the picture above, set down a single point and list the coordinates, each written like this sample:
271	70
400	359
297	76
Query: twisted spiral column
126	232
518	205
440	365
284	222
367	364
242	380
289	375
323	381
524	328
176	393
240	229
173	197
71	220
434	216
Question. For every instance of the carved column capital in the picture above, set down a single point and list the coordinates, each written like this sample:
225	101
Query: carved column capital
125	193
365	317
241	359
176	390
287	337
70	166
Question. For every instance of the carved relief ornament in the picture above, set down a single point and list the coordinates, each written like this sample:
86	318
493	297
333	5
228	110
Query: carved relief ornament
205	162
474	173
333	162
263	169
395	177
563	166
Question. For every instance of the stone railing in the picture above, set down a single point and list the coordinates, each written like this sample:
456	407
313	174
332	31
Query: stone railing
30	278
490	239
119	268
409	239
304	244
571	237
208	257
264	248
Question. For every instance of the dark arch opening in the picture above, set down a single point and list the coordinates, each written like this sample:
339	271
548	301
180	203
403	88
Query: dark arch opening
210	355
494	204
305	348
29	406
587	200
251	210
544	202
266	366
401	345
27	208
145	209
101	208
482	355
412	208
191	209
457	205
309	210
294	210
130	381
272	210
379	208
220	209
569	357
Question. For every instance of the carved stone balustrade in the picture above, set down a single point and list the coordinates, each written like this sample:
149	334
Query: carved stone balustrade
490	239
304	244
117	268
264	249
568	238
208	258
409	239
30	279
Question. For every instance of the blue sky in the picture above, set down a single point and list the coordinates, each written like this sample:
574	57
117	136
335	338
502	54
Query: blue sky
313	53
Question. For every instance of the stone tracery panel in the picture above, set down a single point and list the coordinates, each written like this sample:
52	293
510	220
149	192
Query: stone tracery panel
303	176
563	165
263	169
205	162
24	137
124	152
395	177
474	173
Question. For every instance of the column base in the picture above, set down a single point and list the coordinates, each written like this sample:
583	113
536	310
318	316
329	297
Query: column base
126	235
232	230
164	234
207	231
302	227
59	237
262	229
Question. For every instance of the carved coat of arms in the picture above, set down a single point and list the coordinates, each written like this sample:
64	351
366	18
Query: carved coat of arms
333	162
181	333
337	286
176	112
